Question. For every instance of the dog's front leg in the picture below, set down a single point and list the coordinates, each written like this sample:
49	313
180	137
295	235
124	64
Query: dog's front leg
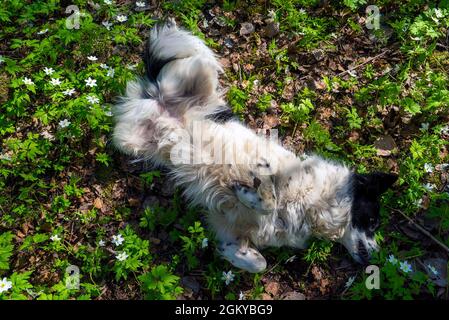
242	256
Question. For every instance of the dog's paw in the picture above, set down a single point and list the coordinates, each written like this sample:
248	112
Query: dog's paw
252	199
248	259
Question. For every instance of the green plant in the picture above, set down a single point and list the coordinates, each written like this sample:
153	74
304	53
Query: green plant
354	120
6	249
298	112
237	99
132	255
318	251
160	284
192	243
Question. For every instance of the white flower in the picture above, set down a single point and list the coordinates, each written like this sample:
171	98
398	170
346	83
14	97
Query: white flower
68	92
204	243
27	81
104	66
352	73
110	73
117	240
107	24
47	135
405	266
64	123
241	296
55	82
302	11
439	13
108	113
418	203
101	243
392	259
432	269
92	99
48	71
428	167
350	282
108	2
5	285
425	126
445	130
92	58
122	256
228	277
43	31
91	82
131	66
429	186
140	4
55	238
121	18
5	157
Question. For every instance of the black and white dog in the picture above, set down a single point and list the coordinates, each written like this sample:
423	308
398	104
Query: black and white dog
257	193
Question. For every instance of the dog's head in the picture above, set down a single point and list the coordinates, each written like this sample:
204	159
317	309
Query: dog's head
358	237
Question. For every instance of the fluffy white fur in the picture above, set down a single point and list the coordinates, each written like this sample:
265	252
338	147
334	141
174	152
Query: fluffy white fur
256	192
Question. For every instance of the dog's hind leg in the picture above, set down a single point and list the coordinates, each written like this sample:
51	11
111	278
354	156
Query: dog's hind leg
242	256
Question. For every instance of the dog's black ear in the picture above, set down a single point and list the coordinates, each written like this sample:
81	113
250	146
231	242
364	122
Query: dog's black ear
374	184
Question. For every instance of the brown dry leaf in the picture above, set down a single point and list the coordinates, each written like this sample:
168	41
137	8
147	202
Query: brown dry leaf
293	295
270	121
385	145
319	85
98	203
354	136
265	296
317	274
272	288
134	202
324	284
247	28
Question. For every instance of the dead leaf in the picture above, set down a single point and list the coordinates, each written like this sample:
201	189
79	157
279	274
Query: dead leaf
293	295
270	121
191	283
265	296
134	202
98	203
272	288
385	145
247	28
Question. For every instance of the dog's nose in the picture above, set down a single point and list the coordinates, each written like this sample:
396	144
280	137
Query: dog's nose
363	255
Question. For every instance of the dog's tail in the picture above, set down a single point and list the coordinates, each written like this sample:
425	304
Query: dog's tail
181	72
180	66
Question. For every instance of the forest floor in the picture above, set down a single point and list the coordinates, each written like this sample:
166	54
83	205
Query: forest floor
322	73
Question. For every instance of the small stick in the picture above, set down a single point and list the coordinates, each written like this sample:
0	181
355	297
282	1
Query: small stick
362	64
427	233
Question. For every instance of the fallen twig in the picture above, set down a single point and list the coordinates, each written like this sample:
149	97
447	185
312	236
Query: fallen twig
423	230
362	64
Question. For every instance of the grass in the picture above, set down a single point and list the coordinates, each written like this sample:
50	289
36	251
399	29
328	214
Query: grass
67	198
